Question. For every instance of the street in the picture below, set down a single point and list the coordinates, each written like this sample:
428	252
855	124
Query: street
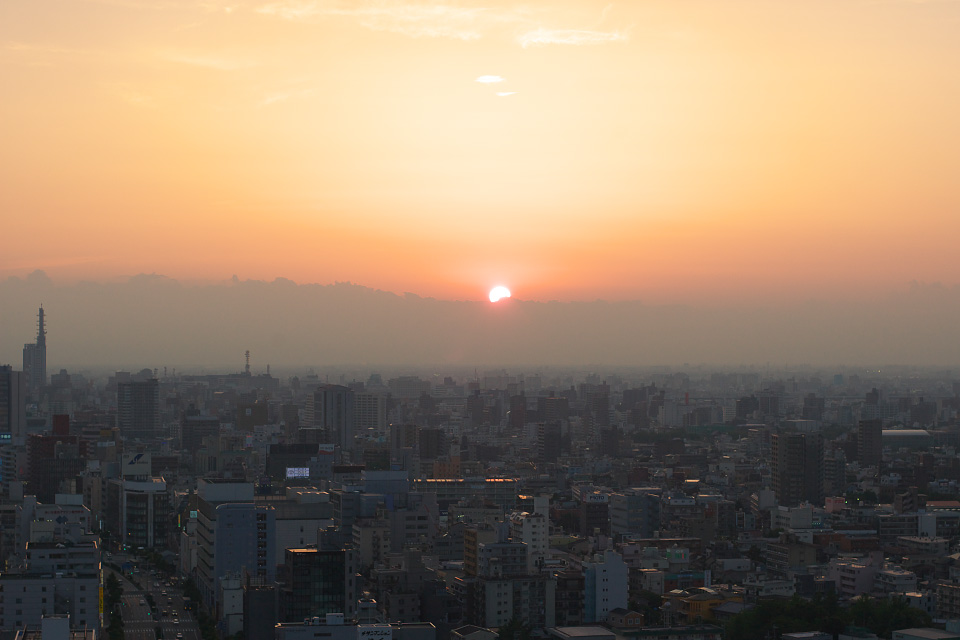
139	622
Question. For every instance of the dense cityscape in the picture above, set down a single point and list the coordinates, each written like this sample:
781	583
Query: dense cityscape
662	503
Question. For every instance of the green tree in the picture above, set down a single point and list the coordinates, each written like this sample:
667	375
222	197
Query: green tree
881	616
787	616
648	603
514	630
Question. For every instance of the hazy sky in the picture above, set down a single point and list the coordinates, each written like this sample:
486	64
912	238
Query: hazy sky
663	150
151	321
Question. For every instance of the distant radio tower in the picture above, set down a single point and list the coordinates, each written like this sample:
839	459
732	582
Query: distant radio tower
246	369
35	359
41	331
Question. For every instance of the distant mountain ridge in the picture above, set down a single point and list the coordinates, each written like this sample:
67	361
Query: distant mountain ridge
152	320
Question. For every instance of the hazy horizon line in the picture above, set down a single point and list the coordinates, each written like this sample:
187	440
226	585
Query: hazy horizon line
37	275
152	318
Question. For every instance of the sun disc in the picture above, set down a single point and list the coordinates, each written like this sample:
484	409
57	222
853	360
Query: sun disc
499	292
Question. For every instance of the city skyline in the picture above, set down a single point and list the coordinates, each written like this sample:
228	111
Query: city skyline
674	153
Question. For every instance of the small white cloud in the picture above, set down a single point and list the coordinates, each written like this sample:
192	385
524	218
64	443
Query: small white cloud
504	94
541	37
489	79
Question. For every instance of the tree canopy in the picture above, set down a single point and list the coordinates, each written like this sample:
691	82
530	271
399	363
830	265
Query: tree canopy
770	618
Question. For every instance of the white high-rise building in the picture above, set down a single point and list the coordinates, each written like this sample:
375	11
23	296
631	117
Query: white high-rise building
533	529
370	412
606	586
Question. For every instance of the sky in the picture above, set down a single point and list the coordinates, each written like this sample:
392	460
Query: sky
670	151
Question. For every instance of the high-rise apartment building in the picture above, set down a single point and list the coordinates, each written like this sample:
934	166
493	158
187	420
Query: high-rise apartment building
869	442
549	441
137	507
503	589
370	412
13	417
606	585
331	408
55	579
138	409
797	468
635	511
318	582
233	535
35	359
13	426
533	529
55	462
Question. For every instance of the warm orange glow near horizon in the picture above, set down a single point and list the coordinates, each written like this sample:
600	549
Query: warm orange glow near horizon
660	151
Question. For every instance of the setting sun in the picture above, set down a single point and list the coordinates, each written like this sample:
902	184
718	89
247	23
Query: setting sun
499	292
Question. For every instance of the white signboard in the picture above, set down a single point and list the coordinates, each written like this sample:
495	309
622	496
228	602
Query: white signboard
374	632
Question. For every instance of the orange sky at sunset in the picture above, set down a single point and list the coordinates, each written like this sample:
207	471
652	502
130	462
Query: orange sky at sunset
663	150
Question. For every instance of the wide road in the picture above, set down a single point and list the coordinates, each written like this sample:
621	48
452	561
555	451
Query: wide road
140	623
173	619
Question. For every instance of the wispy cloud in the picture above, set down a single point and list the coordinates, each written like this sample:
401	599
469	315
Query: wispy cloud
283	96
413	20
438	19
151	5
36	54
26	47
543	36
207	6
217	63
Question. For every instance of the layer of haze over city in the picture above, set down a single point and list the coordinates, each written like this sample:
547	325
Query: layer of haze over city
323	182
